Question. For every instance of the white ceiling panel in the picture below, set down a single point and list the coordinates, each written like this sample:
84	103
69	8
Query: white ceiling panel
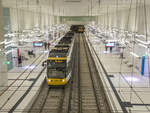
72	7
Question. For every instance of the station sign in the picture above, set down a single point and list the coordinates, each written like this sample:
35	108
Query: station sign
38	43
110	44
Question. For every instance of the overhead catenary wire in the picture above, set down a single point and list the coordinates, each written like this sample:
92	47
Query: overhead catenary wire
119	83
146	33
129	13
53	9
37	12
17	11
99	6
99	2
133	50
145	14
107	26
117	16
22	20
133	58
49	12
91	9
127	28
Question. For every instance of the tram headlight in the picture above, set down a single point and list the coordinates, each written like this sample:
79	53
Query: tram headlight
63	80
49	80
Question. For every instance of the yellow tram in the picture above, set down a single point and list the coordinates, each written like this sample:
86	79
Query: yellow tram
59	63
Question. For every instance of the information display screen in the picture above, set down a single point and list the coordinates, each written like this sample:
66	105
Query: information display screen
38	44
110	44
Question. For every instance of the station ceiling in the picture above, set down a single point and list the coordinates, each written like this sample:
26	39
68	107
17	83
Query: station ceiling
72	7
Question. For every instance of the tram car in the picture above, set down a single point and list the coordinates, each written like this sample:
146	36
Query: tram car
59	63
78	28
81	29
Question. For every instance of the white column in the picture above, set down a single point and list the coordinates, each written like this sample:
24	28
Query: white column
3	69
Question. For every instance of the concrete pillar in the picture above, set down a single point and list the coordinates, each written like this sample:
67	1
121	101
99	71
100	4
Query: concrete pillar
13	19
3	69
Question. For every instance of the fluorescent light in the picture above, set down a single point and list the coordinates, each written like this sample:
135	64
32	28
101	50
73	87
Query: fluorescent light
134	54
2	42
143	42
8	52
28	67
9	42
133	79
8	45
127	42
143	45
142	36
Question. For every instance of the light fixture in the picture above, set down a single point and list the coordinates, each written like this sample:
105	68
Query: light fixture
143	42
134	54
142	45
132	79
8	52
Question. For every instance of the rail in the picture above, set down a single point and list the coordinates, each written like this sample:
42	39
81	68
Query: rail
110	97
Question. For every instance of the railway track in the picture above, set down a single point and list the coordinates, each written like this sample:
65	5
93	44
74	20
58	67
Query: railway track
37	61
83	94
89	96
50	100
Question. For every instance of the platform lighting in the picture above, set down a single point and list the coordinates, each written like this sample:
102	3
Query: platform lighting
143	45
9	35
134	54
28	67
131	78
143	42
6	42
129	34
140	36
127	42
8	52
2	42
6	46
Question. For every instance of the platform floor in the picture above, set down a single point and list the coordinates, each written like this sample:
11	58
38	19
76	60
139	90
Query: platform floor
24	82
131	88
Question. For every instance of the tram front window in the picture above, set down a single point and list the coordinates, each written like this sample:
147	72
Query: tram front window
54	64
56	69
53	73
